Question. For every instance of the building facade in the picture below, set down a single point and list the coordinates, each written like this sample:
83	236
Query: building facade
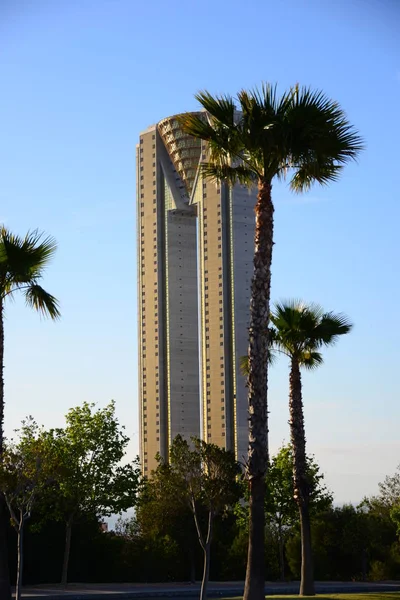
195	249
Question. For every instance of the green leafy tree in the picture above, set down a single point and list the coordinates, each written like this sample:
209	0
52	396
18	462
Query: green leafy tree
204	478
306	136
23	261
158	514
388	499
280	506
23	475
86	456
395	516
389	490
281	511
349	543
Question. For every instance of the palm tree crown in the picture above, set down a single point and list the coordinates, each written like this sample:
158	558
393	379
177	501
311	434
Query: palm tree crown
22	265
300	330
302	132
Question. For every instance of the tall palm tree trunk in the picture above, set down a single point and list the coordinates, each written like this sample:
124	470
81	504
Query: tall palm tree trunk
5	588
257	386
301	490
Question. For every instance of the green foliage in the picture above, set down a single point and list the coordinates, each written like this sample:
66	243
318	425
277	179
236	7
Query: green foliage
86	457
24	472
301	132
345	539
201	474
395	516
349	544
201	477
280	507
158	515
158	512
387	502
389	489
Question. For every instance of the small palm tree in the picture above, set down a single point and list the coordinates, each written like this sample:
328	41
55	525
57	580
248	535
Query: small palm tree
307	136
22	264
300	331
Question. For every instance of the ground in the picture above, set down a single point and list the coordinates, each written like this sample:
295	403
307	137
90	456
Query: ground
363	596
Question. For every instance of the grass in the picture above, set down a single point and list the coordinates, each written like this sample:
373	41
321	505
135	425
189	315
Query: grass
363	596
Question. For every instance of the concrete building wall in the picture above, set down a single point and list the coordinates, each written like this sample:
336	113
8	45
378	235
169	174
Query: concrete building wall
150	250
213	341
168	303
226	234
182	333
242	250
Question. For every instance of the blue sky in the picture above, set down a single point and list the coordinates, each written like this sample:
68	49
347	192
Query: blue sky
80	80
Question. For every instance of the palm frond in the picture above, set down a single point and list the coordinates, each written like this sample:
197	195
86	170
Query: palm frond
302	133
266	97
42	301
223	130
311	172
196	126
231	175
320	137
286	314
311	360
221	108
268	100
244	362
22	259
331	326
244	365
222	141
258	122
301	329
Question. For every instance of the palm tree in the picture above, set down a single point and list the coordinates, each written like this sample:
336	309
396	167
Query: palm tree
300	331
302	134
22	264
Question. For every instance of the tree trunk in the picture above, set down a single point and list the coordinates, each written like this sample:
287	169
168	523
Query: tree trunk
68	531
206	572
301	486
364	564
257	386
192	565
281	553
20	564
207	554
5	588
307	574
255	578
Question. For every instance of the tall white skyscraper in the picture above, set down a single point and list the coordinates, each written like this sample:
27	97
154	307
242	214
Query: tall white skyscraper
195	249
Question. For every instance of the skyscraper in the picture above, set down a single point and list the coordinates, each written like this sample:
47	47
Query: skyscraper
195	249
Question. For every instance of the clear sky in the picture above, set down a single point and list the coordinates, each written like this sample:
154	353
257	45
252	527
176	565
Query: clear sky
81	79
